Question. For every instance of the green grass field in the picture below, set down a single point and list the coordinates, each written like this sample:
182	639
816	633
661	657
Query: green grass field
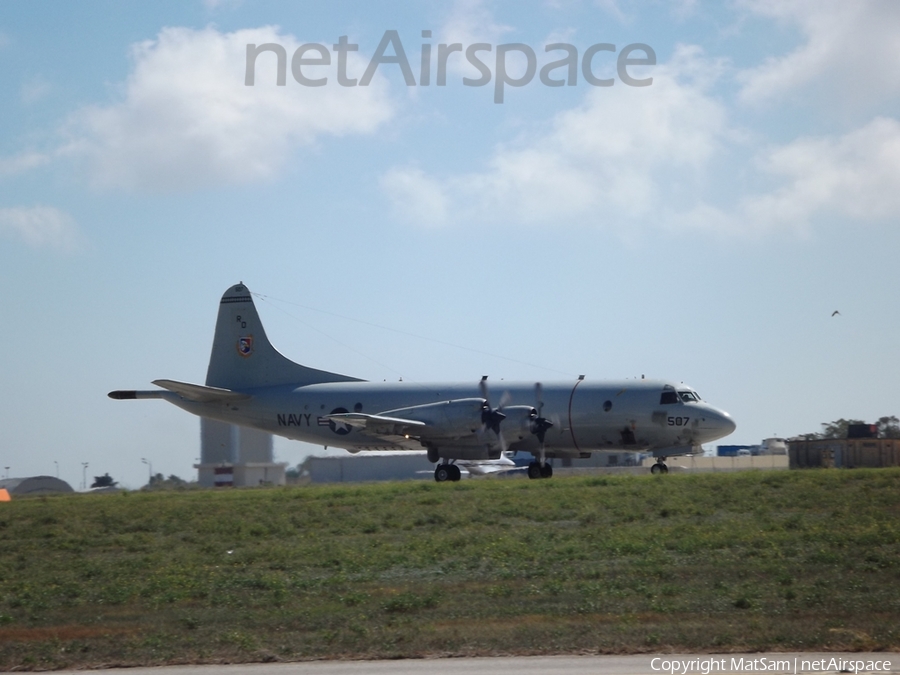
747	561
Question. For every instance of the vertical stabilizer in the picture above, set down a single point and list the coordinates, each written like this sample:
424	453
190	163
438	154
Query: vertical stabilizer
242	356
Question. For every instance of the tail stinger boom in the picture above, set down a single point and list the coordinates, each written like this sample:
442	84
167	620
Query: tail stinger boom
242	356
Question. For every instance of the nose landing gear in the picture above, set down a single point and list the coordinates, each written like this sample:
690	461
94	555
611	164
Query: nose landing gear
660	466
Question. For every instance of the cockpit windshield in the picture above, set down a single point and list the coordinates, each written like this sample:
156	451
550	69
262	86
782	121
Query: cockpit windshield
689	396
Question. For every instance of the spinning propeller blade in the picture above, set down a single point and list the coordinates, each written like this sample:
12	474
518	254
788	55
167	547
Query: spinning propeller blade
491	417
539	423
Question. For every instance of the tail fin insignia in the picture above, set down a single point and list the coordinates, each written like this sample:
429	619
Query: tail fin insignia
245	346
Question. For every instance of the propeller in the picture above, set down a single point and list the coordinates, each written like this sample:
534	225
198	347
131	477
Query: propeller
491	417
539	423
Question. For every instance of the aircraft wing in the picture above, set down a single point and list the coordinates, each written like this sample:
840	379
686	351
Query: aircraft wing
458	421
378	425
398	432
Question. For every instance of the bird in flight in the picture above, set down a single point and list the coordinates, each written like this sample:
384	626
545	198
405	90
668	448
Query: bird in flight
835	313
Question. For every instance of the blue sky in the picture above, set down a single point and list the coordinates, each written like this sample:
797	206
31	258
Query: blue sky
702	229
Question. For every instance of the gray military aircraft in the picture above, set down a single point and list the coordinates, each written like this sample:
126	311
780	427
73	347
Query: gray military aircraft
250	383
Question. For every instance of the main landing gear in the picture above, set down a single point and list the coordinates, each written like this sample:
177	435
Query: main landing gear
660	466
535	470
444	472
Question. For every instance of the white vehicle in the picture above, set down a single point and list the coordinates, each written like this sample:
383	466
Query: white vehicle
249	383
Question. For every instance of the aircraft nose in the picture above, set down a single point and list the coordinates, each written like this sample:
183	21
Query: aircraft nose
717	424
725	424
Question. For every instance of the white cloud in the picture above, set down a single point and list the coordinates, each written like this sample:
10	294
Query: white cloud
612	8
417	197
24	161
40	227
679	9
683	9
34	90
613	160
856	175
849	55
631	159
186	119
468	22
213	5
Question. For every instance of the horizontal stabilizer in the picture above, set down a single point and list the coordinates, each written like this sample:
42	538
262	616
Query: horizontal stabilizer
200	393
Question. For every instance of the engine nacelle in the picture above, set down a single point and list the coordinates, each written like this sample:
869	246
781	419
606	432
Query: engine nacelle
518	423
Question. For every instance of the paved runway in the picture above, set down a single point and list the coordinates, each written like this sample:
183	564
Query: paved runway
643	664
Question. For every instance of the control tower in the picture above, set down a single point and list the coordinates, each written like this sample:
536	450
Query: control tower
236	456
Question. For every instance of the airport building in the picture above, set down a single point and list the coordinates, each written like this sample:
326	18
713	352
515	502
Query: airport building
844	453
236	456
861	448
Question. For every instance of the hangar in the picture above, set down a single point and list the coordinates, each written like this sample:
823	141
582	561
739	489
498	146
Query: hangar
35	485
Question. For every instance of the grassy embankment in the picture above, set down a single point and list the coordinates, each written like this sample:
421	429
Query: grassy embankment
748	561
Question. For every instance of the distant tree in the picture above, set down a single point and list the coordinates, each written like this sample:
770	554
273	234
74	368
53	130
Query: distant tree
304	467
160	482
838	428
888	427
103	481
298	474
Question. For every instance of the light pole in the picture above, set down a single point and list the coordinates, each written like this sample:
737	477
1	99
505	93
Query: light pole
84	466
57	468
149	470
7	471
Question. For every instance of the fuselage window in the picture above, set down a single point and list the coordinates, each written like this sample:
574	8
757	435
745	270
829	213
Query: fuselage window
668	397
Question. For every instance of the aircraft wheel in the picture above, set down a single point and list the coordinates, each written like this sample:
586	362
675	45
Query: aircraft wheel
546	471
534	470
659	467
443	473
455	473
